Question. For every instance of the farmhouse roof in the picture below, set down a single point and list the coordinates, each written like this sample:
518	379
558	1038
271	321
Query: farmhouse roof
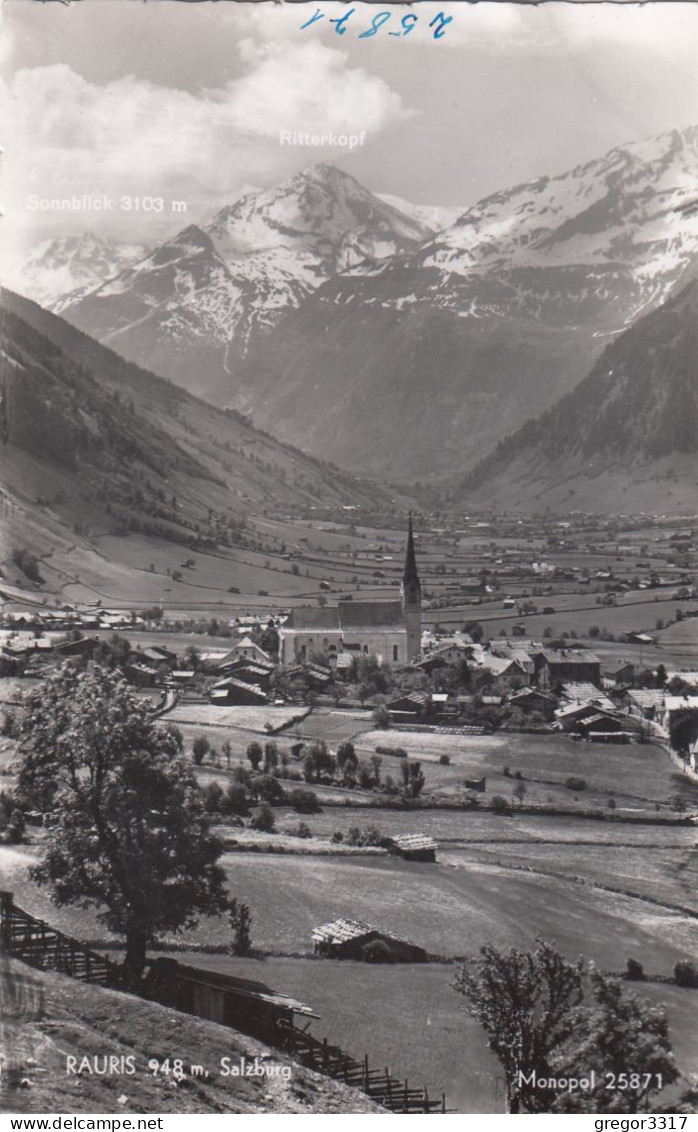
413	842
569	656
646	697
346	931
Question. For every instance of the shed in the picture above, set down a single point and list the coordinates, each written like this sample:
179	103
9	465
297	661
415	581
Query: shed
248	1006
413	846
351	939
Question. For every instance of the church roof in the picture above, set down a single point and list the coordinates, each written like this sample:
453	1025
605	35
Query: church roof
348	616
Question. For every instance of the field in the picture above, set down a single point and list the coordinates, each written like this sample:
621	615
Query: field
244	718
363	1009
634	774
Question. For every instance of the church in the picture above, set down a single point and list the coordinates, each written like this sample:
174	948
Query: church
389	630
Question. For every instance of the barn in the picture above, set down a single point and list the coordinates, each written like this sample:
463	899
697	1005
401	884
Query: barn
413	847
351	939
248	1006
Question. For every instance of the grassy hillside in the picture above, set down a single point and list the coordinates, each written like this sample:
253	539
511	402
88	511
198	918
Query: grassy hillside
48	1018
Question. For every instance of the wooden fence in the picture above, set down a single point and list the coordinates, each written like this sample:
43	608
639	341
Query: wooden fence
379	1084
40	945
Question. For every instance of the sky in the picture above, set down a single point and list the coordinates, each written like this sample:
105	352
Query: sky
187	102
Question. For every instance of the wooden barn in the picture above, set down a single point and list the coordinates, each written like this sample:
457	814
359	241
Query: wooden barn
413	847
351	939
248	1006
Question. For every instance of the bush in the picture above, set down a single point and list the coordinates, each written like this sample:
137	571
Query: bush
235	801
337	837
499	804
573	783
368	836
472	800
396	752
381	717
444	760
214	800
263	819
267	788
301	830
200	749
685	973
634	970
304	801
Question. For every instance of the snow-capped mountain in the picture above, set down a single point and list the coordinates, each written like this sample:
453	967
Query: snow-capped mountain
57	271
428	358
192	308
433	217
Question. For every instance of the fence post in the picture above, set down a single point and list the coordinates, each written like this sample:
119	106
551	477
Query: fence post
6	906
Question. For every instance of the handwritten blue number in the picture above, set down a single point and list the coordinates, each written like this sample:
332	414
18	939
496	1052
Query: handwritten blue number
313	19
340	23
406	27
376	23
441	21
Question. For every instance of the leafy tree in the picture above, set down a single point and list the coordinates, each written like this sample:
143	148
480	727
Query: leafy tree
263	819
213	798
381	717
200	749
127	831
683	731
304	801
227	751
523	1001
255	754
267	788
615	1033
412	779
236	800
271	756
520	792
241	926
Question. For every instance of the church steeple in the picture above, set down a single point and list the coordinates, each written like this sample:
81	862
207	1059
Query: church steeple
411	586
411	591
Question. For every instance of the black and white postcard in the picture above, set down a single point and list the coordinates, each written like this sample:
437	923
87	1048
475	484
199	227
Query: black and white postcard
348	513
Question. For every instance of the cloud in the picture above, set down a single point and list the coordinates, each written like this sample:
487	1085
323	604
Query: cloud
309	87
133	137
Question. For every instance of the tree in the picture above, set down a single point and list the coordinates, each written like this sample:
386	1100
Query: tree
520	792
523	1000
616	1035
381	717
255	754
200	749
127	831
227	750
241	927
263	820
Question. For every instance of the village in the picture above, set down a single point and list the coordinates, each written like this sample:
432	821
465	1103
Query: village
397	780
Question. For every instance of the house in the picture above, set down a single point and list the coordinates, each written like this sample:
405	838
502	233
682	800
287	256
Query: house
248	1006
389	630
503	672
141	675
562	666
409	707
581	692
621	673
251	672
580	719
230	690
351	939
675	706
244	649
413	847
532	699
637	639
645	702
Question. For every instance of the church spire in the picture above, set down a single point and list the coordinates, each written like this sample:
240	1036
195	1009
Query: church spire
411	586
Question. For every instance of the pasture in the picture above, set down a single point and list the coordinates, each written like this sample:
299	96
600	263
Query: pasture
635	774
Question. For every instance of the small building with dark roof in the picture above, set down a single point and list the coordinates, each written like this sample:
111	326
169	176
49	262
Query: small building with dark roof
352	939
413	847
248	1006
